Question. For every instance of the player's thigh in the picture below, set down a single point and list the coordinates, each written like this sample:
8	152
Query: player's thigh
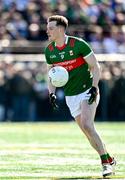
88	111
86	119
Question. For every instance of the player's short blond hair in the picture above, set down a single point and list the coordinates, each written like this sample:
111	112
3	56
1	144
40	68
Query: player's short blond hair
61	20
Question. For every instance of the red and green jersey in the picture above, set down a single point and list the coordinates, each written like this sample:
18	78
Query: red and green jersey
71	56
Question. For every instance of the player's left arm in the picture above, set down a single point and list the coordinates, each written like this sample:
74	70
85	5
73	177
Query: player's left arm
88	54
94	68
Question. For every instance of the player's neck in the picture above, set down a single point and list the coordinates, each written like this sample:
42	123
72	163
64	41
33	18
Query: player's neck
61	41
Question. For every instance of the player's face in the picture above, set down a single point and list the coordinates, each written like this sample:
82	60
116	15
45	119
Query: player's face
52	31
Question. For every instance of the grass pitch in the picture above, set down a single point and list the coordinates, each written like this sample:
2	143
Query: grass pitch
56	151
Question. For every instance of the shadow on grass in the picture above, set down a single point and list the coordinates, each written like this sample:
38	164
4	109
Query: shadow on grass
40	178
79	178
92	178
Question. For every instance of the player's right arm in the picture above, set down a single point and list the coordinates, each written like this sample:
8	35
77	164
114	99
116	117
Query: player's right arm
51	88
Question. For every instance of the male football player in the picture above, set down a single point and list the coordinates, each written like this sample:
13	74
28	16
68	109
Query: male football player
81	91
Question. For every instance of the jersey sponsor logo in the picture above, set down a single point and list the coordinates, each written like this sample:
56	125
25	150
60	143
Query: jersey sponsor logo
71	64
62	52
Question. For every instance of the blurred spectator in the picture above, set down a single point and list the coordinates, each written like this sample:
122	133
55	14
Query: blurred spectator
117	99
2	96
96	38
34	33
17	26
109	42
21	93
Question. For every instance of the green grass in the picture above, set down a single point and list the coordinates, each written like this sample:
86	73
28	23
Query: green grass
56	151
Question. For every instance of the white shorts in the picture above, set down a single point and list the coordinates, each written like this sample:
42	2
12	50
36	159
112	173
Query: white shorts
74	102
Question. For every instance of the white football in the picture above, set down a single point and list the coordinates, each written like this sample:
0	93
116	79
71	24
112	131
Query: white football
58	76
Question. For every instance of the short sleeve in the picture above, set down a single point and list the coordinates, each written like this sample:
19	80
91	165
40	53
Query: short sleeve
84	48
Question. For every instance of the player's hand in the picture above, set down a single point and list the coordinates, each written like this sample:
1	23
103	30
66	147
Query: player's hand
93	95
53	98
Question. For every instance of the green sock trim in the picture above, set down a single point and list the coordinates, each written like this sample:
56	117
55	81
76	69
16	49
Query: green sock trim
104	157
108	156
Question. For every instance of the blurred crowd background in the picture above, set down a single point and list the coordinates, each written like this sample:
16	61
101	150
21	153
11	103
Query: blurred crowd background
23	87
102	21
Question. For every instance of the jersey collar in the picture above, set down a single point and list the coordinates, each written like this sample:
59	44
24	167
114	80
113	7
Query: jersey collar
64	45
